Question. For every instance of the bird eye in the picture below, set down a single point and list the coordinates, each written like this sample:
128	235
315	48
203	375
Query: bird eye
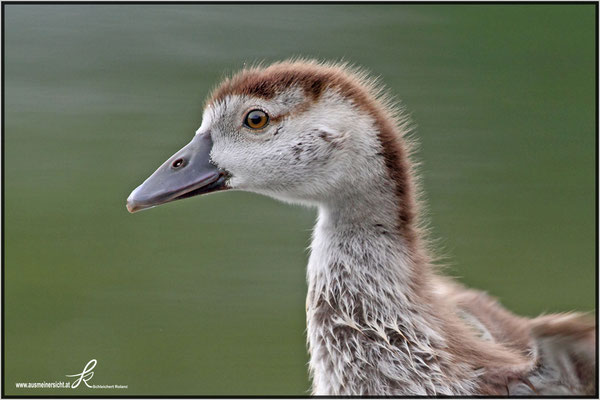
256	119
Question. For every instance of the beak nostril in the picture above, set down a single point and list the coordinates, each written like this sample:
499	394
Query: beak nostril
178	163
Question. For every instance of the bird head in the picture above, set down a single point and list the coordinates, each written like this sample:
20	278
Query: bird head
298	131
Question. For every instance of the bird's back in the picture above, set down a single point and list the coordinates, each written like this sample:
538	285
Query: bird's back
561	347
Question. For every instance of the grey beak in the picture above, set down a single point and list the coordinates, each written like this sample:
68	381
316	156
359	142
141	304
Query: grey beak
187	173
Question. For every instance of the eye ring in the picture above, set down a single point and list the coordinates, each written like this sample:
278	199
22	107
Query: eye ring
256	119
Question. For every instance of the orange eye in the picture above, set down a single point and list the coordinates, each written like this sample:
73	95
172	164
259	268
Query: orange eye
256	119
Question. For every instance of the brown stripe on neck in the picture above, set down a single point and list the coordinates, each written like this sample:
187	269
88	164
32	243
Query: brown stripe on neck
398	167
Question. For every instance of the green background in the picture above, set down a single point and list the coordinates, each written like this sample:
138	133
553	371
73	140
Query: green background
206	296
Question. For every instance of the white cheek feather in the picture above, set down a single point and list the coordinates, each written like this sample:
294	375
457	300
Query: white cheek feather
207	118
332	154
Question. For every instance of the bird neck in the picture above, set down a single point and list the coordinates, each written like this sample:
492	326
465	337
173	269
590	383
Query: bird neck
360	258
375	321
367	291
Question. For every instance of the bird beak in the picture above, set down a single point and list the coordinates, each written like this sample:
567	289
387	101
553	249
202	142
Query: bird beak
187	173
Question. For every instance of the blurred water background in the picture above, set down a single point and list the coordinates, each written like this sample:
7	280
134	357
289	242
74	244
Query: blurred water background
206	295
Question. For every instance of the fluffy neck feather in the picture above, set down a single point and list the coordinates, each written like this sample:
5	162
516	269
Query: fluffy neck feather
372	328
377	324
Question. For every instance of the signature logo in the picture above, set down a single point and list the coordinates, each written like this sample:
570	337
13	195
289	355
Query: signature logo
85	376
